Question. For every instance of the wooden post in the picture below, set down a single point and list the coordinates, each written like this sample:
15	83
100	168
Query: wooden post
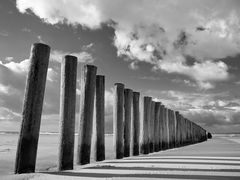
32	109
118	120
135	125
157	132
185	131
180	131
170	133
164	128
151	128
177	129
144	131
161	126
172	128
128	97
99	120
67	112
167	127
88	84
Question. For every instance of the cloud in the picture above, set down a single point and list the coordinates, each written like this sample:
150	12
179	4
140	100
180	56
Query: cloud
26	30
21	67
9	59
73	12
83	57
133	66
158	31
213	111
184	81
204	73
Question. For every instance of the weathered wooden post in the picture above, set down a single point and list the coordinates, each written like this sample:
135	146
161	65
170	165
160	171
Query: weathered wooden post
88	84
144	130
135	125
188	132
175	128
181	129
157	132
191	130
99	120
151	127
67	112
167	127
128	98
32	109
177	115
118	120
170	125
161	128
185	131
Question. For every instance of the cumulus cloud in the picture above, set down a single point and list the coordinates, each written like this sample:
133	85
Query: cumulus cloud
62	11
204	73
82	56
158	31
21	67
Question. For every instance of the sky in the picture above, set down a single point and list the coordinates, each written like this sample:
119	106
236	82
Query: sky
183	53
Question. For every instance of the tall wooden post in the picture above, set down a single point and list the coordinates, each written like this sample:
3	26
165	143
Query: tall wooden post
164	128
144	131
88	84
32	109
170	133
151	127
157	132
67	112
177	129
172	125
161	128
135	125
167	127
128	98
174	128
99	120
118	120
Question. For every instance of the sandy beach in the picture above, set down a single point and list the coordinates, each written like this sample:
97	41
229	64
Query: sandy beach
218	158
47	151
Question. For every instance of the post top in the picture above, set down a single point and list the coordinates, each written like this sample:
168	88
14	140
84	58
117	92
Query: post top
70	57
147	97
136	93
100	76
119	84
90	66
128	90
41	45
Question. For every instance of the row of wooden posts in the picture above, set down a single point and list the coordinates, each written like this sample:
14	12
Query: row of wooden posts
140	125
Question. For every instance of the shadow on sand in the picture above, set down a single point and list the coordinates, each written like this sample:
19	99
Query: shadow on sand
167	176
